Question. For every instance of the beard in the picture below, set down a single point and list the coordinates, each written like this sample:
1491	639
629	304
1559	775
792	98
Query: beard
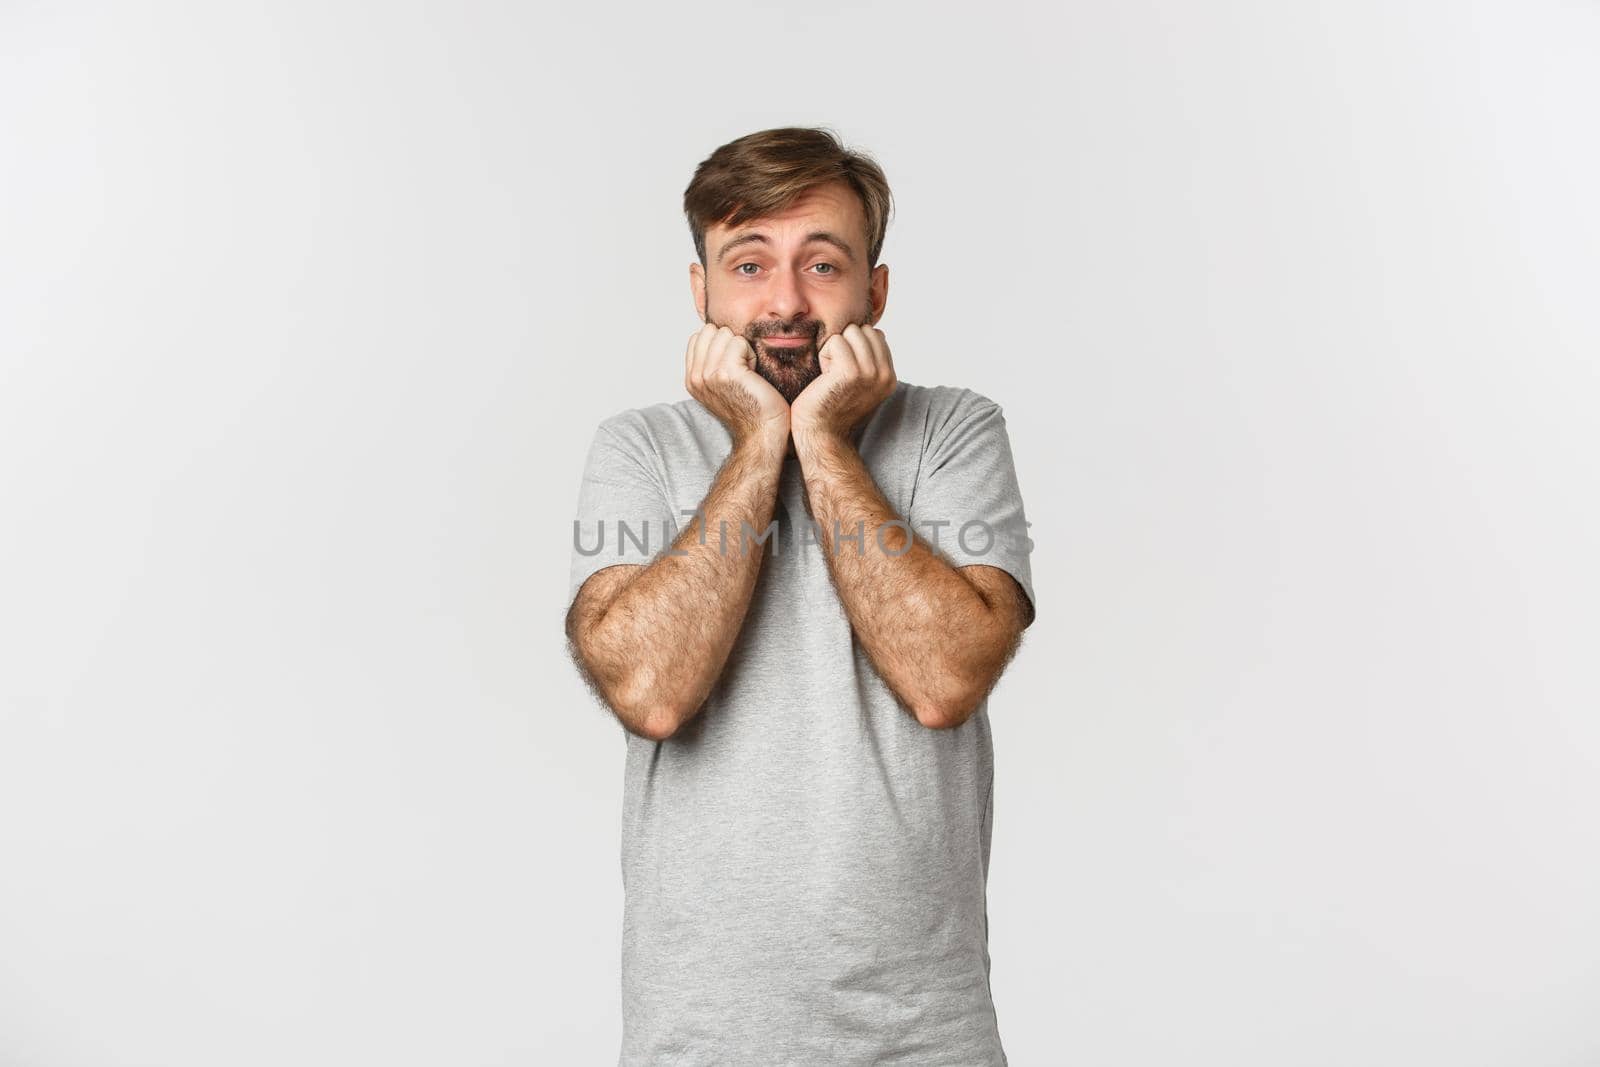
787	369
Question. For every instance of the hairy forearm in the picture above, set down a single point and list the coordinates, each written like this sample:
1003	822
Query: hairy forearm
928	631
659	646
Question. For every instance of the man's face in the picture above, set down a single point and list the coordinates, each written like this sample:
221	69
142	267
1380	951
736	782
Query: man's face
786	282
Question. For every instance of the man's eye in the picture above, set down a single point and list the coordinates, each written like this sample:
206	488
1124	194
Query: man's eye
741	268
830	267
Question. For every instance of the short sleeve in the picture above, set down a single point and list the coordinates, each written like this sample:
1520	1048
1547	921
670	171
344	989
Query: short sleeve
622	515
967	501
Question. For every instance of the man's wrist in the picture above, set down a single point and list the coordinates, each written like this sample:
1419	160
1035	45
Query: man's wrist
767	443
814	441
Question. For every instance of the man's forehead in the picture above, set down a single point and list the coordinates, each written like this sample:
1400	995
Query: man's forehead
831	208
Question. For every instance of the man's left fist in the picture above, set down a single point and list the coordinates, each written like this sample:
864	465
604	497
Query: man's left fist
857	375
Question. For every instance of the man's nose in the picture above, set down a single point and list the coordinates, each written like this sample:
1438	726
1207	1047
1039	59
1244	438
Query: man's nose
786	296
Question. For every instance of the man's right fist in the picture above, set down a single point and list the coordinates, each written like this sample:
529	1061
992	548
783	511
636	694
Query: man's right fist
720	372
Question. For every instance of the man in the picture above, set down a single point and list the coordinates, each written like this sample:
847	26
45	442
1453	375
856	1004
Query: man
807	802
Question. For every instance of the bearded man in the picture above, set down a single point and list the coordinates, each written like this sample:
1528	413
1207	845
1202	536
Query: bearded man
814	574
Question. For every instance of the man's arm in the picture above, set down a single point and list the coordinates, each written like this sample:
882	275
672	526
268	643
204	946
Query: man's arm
653	640
939	635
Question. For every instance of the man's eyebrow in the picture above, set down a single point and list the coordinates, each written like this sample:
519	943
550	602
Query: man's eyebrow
761	238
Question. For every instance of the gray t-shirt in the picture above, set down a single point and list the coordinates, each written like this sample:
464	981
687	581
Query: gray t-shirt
803	863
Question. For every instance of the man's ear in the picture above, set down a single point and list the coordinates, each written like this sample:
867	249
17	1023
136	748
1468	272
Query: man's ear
878	292
697	289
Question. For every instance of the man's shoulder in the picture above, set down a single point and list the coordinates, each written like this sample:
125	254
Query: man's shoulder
946	398
937	407
662	427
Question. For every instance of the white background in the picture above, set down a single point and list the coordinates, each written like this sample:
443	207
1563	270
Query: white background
307	312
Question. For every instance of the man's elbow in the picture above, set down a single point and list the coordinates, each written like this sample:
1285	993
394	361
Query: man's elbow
651	725
942	718
645	712
954	695
946	711
634	699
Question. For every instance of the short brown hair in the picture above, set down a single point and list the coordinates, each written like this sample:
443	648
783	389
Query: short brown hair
762	173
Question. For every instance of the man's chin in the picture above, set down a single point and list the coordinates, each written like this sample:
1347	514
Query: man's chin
788	379
790	355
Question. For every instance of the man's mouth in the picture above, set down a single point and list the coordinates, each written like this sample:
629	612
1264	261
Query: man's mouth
787	341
